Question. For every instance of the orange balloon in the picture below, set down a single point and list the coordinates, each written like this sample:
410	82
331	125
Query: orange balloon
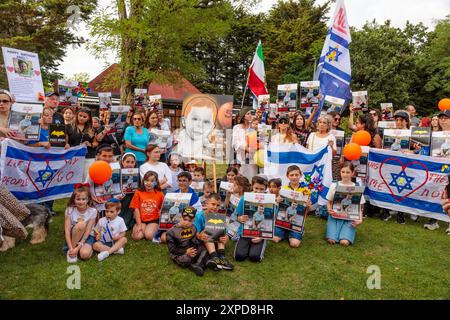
444	104
362	138
352	151
100	172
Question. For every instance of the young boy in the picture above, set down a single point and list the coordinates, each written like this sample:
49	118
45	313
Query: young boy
217	259
184	247
198	180
208	188
294	175
110	231
252	248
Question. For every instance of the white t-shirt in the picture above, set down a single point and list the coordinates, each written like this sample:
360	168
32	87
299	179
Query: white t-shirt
160	168
76	216
109	229
174	182
332	191
315	143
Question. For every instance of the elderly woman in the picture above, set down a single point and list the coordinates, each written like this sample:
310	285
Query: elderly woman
322	137
6	100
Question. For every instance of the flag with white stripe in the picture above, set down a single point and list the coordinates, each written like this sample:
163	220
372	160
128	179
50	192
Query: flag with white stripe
257	74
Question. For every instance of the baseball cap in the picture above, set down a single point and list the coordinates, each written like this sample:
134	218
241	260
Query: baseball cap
52	94
283	117
189	212
401	114
445	113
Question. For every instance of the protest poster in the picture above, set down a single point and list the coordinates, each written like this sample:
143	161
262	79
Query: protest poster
155	102
287	97
264	134
260	209
112	187
440	144
309	96
263	102
387	111
57	135
118	118
225	187
387	124
140	98
331	103
24	75
160	138
172	207
346	203
360	101
215	226
396	139
340	141
421	140
129	178
408	182
361	164
292	211
35	175
67	94
24	120
273	111
197	186
104	100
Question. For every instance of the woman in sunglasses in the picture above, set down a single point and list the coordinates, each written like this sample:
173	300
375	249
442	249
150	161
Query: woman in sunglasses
136	138
6	100
285	133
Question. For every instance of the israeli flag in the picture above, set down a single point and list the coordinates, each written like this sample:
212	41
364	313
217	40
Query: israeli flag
315	166
334	69
408	183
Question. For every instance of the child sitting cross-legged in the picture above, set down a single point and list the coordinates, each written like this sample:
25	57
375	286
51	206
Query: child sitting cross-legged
185	249
110	231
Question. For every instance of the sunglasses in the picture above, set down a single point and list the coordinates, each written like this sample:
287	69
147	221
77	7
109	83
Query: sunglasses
5	101
140	119
283	122
337	119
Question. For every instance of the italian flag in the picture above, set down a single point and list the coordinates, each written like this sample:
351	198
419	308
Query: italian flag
256	74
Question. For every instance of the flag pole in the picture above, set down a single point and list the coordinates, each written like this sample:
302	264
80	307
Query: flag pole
245	89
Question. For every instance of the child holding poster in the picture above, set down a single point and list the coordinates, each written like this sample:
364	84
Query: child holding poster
129	169
340	230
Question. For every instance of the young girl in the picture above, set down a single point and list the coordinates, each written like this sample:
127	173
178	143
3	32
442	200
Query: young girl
126	213
240	186
175	168
79	220
339	230
147	202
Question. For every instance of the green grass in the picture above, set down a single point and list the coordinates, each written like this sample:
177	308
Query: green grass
413	261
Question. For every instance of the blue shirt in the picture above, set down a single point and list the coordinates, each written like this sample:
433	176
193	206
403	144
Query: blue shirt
137	140
200	221
43	136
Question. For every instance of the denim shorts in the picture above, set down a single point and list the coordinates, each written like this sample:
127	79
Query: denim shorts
90	241
338	229
281	233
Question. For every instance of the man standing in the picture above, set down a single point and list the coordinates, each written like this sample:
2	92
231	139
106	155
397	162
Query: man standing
415	122
52	101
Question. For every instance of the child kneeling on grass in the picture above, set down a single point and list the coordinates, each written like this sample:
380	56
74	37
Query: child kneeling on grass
185	249
217	259
339	230
110	231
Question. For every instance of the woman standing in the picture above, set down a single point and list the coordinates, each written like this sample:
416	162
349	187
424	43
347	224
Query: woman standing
152	163
365	122
81	132
68	115
6	100
285	133
152	123
137	137
244	155
301	128
322	137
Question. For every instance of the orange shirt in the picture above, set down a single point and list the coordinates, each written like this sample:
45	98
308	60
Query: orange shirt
148	203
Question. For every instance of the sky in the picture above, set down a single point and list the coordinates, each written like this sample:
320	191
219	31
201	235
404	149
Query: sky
358	11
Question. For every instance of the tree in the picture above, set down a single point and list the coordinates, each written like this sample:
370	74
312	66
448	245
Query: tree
150	37
41	26
80	77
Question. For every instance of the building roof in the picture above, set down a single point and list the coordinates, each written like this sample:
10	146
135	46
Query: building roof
167	92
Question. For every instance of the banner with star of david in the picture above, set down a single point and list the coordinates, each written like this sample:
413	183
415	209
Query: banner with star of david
315	166
35	175
408	183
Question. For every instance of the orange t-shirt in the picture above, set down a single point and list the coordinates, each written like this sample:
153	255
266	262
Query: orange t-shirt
148	203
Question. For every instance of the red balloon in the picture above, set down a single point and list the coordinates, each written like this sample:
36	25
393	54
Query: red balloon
444	104
100	172
352	151
362	138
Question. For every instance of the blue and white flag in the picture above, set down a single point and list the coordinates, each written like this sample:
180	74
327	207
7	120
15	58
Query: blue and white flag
315	166
35	175
334	69
408	183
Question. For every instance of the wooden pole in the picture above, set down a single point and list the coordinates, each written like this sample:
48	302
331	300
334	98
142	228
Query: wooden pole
214	176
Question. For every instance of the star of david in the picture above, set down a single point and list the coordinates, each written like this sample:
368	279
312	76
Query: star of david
333	54
318	169
401	181
45	175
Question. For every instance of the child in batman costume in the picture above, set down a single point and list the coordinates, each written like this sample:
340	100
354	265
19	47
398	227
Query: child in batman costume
184	247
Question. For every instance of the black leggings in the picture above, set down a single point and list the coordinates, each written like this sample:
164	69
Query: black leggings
245	248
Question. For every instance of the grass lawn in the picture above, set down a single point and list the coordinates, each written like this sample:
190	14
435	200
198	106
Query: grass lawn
413	261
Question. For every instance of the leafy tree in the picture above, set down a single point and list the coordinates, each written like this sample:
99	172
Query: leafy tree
80	77
41	26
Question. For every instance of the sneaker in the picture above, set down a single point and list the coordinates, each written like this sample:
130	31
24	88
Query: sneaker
431	225
103	255
120	251
386	216
214	264
414	217
156	239
448	230
197	269
401	218
225	264
72	259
